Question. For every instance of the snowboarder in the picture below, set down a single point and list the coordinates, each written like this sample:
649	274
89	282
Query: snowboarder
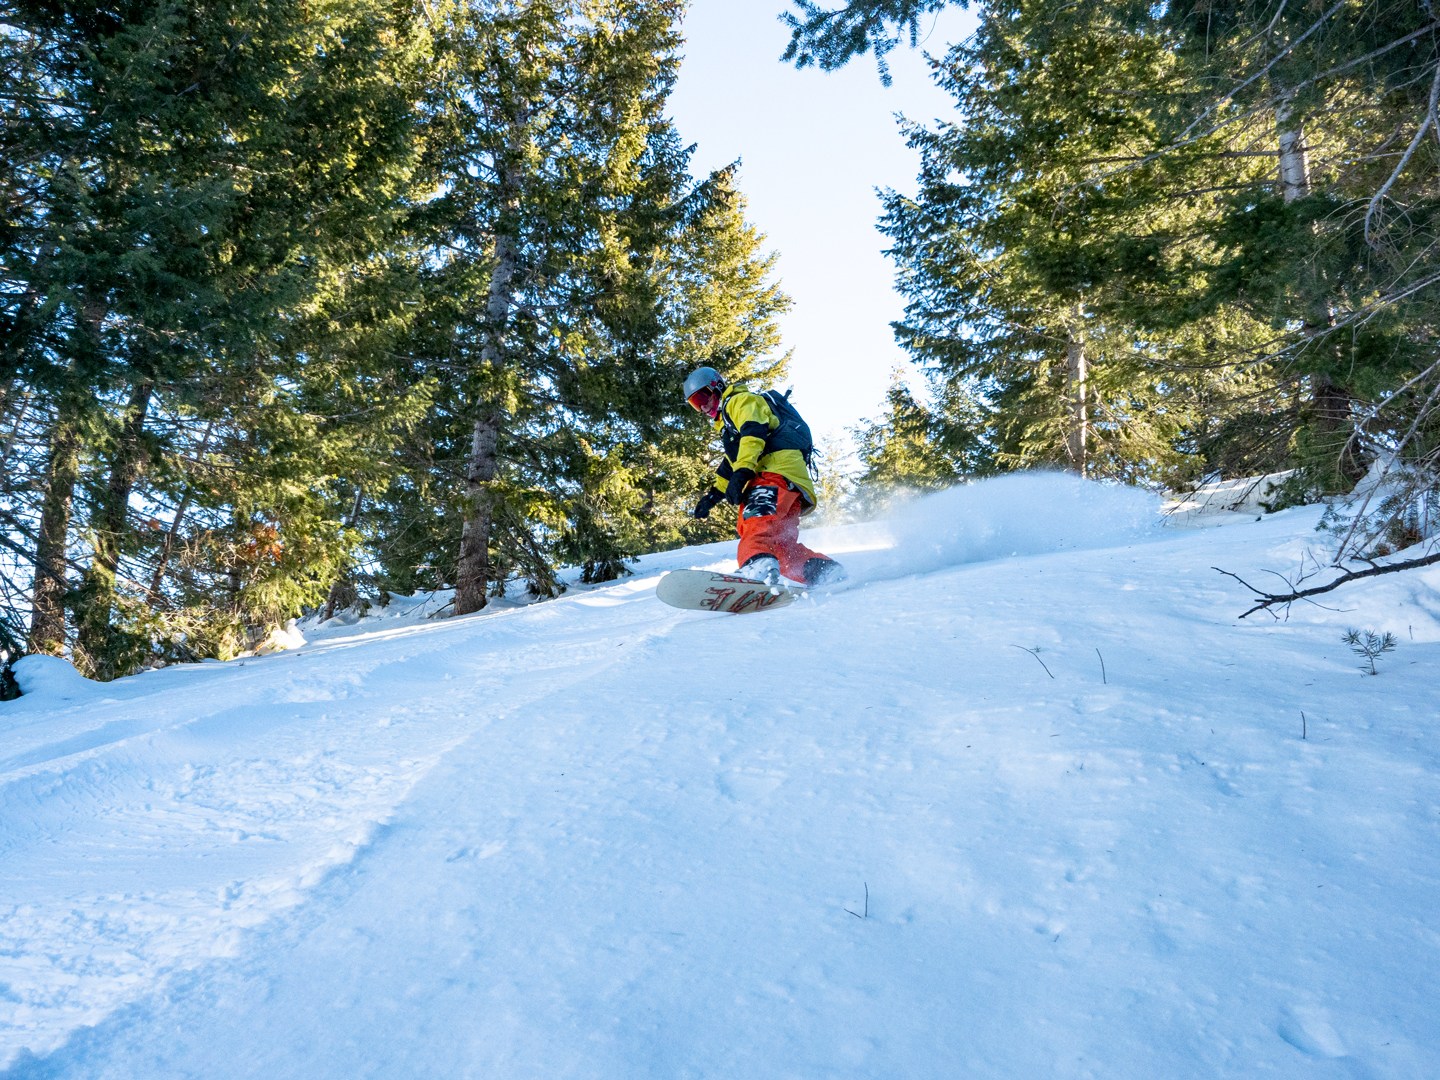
766	474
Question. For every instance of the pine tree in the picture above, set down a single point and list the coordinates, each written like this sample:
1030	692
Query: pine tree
1332	247
723	308
831	37
1304	135
196	175
277	434
299	293
1045	226
564	244
911	448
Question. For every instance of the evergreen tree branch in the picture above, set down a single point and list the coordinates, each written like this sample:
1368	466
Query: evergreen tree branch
1269	67
1190	136
1404	161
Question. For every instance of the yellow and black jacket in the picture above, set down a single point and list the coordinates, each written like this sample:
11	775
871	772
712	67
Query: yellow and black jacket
746	423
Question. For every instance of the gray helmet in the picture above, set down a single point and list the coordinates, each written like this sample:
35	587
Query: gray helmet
701	378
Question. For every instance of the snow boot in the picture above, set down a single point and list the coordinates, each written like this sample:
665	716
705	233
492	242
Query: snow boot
764	568
822	571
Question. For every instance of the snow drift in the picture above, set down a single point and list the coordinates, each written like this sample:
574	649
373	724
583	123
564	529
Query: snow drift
967	815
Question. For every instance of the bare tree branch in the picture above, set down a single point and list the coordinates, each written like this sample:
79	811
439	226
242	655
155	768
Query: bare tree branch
1269	600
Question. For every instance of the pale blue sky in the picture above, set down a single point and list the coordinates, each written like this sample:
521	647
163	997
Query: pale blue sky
814	147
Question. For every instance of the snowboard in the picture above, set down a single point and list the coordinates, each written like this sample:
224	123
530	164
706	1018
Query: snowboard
710	590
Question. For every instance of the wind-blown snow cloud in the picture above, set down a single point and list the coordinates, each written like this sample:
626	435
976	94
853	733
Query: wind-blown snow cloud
1021	514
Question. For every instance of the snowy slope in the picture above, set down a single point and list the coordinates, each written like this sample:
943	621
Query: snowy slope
1021	799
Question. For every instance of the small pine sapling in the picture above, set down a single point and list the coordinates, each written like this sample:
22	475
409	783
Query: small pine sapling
1369	646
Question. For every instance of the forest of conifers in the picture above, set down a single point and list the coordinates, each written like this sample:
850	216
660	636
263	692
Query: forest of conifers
301	299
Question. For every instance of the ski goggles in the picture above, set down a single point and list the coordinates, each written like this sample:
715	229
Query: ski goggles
705	400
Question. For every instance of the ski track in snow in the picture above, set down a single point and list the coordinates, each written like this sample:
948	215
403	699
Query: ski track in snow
273	794
868	835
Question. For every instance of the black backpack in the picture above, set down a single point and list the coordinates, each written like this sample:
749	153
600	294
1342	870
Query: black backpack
792	433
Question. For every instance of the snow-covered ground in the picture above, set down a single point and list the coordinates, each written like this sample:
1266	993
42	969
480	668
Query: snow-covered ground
1022	798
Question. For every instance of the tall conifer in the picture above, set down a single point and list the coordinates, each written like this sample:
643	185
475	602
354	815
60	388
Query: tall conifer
1045	226
557	279
200	170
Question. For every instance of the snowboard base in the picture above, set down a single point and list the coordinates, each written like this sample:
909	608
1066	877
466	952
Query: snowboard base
710	590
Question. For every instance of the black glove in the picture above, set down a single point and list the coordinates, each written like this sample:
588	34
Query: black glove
739	481
707	502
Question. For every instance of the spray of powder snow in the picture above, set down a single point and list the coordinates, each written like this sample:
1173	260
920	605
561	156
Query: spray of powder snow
1019	514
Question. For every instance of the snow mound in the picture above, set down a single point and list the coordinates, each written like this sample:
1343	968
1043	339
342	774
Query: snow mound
49	677
1215	502
1067	799
281	638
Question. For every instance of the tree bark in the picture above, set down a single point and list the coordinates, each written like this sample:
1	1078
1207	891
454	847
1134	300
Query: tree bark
62	473
472	575
96	633
1333	425
342	591
1077	378
1331	422
1294	158
158	579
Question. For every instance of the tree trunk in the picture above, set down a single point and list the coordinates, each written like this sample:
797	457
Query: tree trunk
96	634
342	592
156	597
1294	158
472	574
62	473
1331	422
1077	378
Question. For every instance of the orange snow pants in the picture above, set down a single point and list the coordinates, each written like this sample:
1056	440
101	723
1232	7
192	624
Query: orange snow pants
769	524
